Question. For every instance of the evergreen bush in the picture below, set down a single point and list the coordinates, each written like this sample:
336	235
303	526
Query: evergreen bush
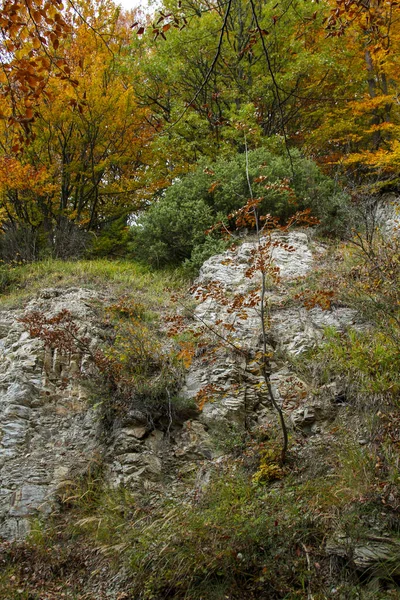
172	230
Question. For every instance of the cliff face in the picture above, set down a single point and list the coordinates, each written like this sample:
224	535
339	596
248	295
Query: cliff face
51	431
51	420
293	331
48	431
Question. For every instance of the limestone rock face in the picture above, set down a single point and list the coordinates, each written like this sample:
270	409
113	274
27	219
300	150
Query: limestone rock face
232	275
51	431
298	329
238	395
48	432
376	554
388	215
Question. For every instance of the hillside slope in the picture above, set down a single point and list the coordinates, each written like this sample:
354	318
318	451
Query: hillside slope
165	481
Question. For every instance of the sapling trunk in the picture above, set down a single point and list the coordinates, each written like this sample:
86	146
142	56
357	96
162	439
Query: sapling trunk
265	361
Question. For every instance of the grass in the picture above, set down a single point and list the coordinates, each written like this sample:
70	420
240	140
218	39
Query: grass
237	539
240	538
370	360
20	282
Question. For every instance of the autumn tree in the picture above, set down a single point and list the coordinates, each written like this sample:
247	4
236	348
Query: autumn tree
324	76
112	132
235	307
204	80
361	127
90	140
31	32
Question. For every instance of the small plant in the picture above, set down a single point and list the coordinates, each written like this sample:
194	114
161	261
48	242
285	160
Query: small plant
373	283
60	331
136	367
270	235
269	468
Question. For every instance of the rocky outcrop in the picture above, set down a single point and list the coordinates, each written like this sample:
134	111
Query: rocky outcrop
48	431
377	555
51	430
388	214
293	331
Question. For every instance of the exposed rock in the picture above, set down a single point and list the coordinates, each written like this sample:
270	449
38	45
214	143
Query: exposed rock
296	330
47	429
238	394
377	555
193	440
49	432
136	432
229	268
313	416
388	214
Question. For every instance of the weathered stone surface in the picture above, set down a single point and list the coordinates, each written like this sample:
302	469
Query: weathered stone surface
239	395
47	430
193	441
388	214
136	432
291	264
378	555
313	416
298	329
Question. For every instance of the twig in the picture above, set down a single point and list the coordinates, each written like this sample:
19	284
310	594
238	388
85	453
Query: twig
310	596
274	82
265	363
169	413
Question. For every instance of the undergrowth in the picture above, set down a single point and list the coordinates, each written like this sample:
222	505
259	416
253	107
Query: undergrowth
138	368
369	360
237	538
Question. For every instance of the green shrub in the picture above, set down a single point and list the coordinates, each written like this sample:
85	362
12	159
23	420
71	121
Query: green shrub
201	253
169	231
311	188
111	241
370	361
173	229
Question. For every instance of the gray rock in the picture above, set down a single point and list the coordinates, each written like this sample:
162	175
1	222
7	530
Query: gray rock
377	555
230	267
388	215
239	393
136	432
47	432
297	330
